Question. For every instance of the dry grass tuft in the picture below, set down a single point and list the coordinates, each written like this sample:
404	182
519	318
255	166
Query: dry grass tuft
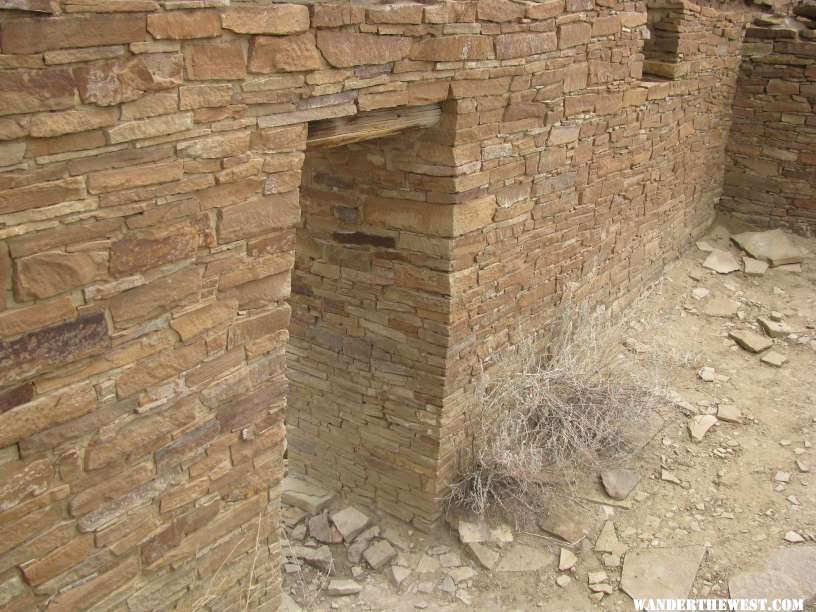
545	417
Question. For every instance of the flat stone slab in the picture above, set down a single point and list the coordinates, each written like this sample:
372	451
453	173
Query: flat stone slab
772	358
486	557
567	521
479	532
721	262
721	307
349	522
775	329
750	341
522	558
304	495
699	425
790	573
729	413
322	531
754	267
773	246
379	554
661	573
320	558
342	586
619	482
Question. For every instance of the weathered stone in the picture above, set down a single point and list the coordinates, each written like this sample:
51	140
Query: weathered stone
346	49
150	105
721	307
499	10
48	274
772	358
754	267
453	48
773	246
272	19
110	83
661	573
217	60
573	34
566	560
36	90
147	128
619	483
729	413
40	195
486	557
774	329
395	13
340	587
205	96
568	522
284	54
722	262
304	495
750	341
379	554
26	419
178	25
699	425
37	35
152	299
509	46
36	316
320	558
135	176
56	124
95	589
398	575
321	530
789	573
350	522
258	216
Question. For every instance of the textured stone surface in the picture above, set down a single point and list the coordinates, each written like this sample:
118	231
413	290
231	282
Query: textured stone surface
661	573
343	49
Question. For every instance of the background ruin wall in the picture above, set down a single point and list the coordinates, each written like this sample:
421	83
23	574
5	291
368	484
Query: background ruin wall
153	154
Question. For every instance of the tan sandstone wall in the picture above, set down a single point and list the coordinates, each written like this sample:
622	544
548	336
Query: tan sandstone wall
771	174
151	158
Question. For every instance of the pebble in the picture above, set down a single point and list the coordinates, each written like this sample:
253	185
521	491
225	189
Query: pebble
794	538
567	560
563	580
706	374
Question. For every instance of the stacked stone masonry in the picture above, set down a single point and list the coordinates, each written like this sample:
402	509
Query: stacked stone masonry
153	168
771	174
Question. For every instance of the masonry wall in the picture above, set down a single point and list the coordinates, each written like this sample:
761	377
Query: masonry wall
151	160
771	175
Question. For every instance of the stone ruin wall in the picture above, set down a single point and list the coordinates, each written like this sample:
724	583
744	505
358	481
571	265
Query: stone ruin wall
152	158
771	174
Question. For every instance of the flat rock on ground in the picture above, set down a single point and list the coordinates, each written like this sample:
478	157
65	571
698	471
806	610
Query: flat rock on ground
485	556
750	340
340	586
379	554
754	267
619	482
699	425
789	573
772	358
349	522
721	307
722	262
773	246
304	495
567	521
661	573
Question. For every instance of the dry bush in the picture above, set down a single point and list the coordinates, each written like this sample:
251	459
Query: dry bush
546	416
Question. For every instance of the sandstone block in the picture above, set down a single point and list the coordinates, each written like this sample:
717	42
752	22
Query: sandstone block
41	194
36	90
155	297
51	347
110	83
284	54
273	19
148	128
453	48
205	96
135	176
56	124
180	25
395	13
258	216
216	147
347	49
45	412
573	34
151	105
221	60
499	10
37	35
59	560
47	274
94	590
414	94
211	316
510	46
545	10
12	153
26	319
155	247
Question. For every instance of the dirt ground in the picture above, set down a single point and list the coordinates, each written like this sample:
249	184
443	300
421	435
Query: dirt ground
730	497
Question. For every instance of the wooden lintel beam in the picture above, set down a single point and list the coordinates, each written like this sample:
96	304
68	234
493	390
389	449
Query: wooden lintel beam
326	133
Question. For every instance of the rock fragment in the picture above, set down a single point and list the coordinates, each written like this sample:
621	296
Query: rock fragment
699	425
304	495
661	573
729	413
486	557
772	358
620	482
379	554
750	341
722	262
342	586
566	560
773	246
754	267
350	522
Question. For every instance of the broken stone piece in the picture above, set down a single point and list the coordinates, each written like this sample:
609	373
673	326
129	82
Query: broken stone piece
379	554
349	522
304	495
597	577
750	341
398	575
669	476
707	374
772	358
480	532
342	586
563	580
699	425
361	542
754	267
729	413
721	307
699	293
607	540
773	246
790	267
661	573
722	262
461	574
567	560
322	531
486	557
794	538
620	482
774	329
790	573
320	558
567	521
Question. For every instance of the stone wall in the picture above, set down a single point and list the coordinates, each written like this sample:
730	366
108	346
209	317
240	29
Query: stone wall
771	174
151	159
